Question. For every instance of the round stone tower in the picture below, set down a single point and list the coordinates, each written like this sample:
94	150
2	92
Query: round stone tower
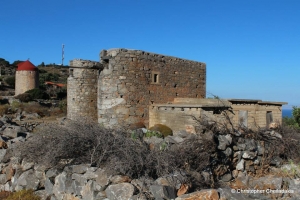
27	77
82	89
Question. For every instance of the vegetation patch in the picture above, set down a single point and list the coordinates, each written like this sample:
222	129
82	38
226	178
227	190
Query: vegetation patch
23	195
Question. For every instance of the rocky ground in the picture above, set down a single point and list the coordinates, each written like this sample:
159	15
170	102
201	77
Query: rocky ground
237	169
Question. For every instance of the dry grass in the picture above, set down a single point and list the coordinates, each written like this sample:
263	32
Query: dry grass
22	195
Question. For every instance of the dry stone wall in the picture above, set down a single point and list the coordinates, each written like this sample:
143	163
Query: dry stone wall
26	80
132	80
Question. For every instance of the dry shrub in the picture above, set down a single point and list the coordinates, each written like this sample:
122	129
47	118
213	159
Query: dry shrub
3	109
290	143
34	107
78	143
4	194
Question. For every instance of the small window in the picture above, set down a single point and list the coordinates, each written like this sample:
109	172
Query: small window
71	72
155	77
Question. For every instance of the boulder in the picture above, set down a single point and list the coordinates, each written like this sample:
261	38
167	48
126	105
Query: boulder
12	131
181	133
48	186
28	180
240	165
249	155
120	179
161	192
88	192
2	154
119	191
103	177
224	141
183	189
207	194
266	182
241	182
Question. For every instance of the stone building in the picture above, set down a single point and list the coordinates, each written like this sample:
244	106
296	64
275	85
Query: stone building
182	112
119	89
27	77
132	86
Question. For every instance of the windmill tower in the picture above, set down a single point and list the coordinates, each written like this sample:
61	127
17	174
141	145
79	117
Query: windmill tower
27	77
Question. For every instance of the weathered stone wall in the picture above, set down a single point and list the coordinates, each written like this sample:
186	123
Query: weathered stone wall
132	80
82	89
26	80
181	113
257	113
178	117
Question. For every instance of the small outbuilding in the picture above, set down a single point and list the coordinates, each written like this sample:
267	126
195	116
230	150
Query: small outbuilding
27	77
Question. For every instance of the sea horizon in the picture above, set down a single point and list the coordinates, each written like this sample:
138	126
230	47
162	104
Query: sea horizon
287	112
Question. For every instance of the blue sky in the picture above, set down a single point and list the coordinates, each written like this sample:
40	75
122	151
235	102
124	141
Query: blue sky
251	47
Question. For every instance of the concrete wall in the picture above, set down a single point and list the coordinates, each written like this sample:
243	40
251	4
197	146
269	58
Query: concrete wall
82	90
26	80
132	80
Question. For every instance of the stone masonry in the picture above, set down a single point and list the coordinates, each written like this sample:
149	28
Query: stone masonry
82	89
128	82
26	80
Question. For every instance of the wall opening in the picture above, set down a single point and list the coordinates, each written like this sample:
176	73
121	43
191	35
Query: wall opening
155	77
269	118
243	118
71	72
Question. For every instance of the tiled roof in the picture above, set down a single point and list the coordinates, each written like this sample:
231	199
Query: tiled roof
26	66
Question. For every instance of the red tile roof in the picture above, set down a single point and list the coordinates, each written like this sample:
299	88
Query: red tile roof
57	84
26	66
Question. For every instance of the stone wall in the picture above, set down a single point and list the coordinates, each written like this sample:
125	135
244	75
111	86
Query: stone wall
132	80
82	89
26	80
257	113
181	113
179	117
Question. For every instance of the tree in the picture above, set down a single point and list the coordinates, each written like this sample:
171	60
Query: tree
3	63
296	114
11	81
15	63
293	121
41	65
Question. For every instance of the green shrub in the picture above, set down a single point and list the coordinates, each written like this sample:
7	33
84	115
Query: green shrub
16	105
23	195
293	121
62	93
38	94
11	80
163	129
25	97
153	133
63	106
